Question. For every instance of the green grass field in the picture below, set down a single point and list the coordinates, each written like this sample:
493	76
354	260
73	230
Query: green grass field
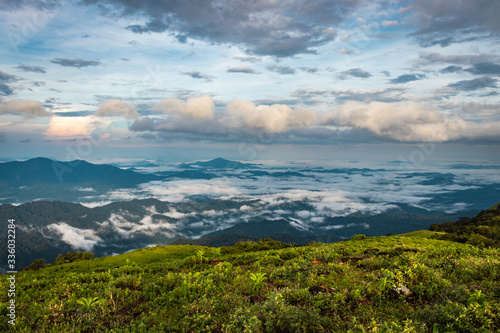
402	283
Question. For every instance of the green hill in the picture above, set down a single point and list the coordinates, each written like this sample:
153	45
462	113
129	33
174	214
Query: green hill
482	230
402	283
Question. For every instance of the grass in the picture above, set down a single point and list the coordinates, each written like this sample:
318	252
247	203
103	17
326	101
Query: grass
401	283
494	207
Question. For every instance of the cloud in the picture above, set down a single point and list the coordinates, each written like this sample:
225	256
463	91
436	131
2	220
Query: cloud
242	69
276	118
6	77
84	239
144	124
483	68
312	96
284	70
276	28
346	51
475	84
355	72
40	5
117	108
309	69
178	190
248	59
26	108
195	108
148	136
409	122
407	78
239	118
446	21
5	88
451	69
188	54
198	75
34	69
386	23
469	59
78	63
72	126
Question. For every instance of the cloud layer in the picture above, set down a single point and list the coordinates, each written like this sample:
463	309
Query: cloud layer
261	27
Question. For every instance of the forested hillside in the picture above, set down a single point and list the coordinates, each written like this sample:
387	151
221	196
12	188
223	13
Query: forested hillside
483	230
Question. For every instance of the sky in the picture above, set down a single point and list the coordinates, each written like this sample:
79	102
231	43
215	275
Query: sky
248	80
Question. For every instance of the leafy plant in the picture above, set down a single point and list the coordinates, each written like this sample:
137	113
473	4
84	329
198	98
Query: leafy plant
258	280
88	304
200	254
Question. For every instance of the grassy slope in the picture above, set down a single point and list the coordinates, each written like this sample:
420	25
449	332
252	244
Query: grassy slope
443	285
494	207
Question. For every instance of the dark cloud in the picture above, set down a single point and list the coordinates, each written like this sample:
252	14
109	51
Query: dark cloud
386	73
475	84
242	69
451	69
284	70
277	28
78	63
450	21
25	141
469	59
148	136
34	69
445	41
2	137
355	72
491	93
407	78
5	79
144	124
484	68
198	75
74	113
5	89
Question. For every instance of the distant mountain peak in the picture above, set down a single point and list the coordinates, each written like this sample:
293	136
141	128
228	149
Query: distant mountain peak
41	170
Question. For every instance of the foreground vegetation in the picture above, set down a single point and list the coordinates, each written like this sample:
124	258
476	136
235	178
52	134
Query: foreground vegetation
403	283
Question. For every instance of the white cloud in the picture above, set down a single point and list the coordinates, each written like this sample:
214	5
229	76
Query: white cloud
409	122
74	126
26	108
84	239
175	191
117	108
275	118
386	23
196	108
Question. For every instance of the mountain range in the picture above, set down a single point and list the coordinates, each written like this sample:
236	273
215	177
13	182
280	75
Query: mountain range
47	200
